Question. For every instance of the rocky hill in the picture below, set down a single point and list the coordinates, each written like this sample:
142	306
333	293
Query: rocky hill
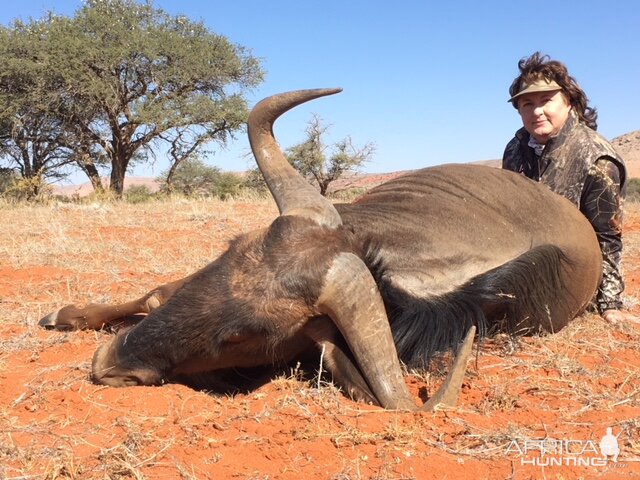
628	145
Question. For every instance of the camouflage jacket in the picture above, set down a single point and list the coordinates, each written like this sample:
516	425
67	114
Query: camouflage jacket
582	166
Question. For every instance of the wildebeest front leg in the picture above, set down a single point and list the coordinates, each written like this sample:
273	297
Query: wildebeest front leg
338	361
96	316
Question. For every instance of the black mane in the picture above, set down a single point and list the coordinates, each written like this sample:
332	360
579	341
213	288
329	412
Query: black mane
515	297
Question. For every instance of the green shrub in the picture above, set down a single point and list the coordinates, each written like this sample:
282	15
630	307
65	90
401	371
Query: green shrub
138	194
254	181
193	178
19	189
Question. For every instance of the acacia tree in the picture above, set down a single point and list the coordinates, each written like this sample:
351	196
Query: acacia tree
33	141
310	158
130	77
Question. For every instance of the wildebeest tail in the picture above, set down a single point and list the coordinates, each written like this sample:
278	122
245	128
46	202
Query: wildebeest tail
518	297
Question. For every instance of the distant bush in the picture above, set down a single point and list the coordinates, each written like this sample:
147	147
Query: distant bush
254	181
7	178
348	195
633	190
193	178
138	194
16	188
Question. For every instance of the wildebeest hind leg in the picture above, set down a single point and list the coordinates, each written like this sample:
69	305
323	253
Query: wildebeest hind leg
96	316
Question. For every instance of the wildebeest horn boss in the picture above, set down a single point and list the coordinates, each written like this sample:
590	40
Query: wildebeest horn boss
410	268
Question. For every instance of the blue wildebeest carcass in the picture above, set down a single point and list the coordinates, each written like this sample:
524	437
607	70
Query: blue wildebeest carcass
412	267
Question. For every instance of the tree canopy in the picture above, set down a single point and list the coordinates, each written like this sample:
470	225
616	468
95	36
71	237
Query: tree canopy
113	84
32	137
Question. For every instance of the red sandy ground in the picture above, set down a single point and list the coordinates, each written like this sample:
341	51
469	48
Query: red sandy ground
54	423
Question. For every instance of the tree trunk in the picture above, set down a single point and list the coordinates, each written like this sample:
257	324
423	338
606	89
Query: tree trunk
171	174
91	171
324	186
118	172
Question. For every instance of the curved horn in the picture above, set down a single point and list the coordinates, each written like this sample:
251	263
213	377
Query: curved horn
351	298
292	193
449	392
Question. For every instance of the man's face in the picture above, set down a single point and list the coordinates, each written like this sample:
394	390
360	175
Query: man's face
544	113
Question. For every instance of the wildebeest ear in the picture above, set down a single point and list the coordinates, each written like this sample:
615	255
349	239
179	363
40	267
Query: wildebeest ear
293	194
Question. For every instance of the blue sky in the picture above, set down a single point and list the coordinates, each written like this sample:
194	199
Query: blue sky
426	82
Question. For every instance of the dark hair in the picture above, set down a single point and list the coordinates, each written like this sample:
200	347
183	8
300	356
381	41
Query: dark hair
539	66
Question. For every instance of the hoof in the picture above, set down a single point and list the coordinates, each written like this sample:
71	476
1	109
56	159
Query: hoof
49	322
55	321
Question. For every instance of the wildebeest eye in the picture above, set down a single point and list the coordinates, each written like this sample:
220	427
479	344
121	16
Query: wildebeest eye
237	337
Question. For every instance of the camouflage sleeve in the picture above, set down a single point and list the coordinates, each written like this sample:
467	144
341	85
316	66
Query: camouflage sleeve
509	156
601	203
